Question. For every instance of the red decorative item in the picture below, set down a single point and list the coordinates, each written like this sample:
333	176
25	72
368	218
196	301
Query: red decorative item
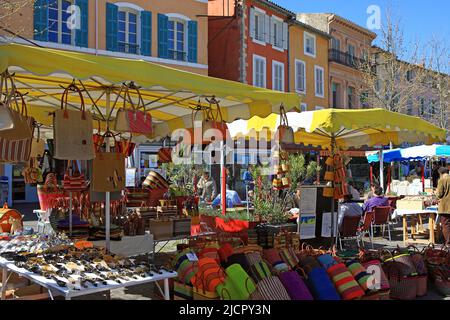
140	122
76	181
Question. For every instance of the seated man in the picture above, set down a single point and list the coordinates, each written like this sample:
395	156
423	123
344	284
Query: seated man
348	208
378	200
233	199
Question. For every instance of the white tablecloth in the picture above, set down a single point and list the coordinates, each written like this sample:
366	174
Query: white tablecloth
130	246
402	212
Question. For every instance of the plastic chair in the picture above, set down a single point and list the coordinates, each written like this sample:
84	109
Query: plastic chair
366	227
349	230
382	219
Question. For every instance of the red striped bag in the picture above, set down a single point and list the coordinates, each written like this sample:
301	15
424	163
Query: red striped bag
75	181
16	151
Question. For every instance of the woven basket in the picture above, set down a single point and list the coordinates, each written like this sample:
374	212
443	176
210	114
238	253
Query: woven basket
422	286
442	285
403	288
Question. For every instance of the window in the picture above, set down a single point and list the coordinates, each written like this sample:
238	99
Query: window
364	99
258	24
259	71
319	81
277	32
409	107
335	91
127	31
177	40
351	54
335	44
422	106
303	107
310	44
277	76
58	29
409	75
350	94
300	76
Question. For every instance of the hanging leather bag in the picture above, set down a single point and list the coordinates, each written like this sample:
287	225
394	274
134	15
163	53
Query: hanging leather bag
73	130
285	133
133	120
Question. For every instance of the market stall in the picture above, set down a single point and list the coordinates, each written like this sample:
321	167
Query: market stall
337	129
51	80
423	154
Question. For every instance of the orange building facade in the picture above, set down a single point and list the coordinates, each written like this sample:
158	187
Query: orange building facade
169	32
249	42
349	47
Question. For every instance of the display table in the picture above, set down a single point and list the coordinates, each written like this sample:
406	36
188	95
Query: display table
53	289
417	225
130	246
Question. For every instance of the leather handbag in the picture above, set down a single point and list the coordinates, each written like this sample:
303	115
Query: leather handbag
37	146
73	130
108	169
284	133
74	181
15	113
133	120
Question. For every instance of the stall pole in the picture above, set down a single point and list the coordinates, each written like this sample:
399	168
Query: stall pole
334	236
70	213
108	195
423	175
223	179
318	172
371	173
381	157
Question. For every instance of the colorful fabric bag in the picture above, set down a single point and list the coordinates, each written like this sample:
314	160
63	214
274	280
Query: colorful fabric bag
321	286
295	286
74	180
344	281
72	130
49	192
270	288
238	284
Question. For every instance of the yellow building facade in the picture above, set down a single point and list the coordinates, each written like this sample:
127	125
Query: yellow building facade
308	65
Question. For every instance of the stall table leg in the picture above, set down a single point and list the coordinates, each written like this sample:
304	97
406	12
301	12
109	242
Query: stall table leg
405	230
166	289
4	282
431	226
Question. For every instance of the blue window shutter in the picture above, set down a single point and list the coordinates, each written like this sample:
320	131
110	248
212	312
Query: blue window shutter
146	33
41	20
81	35
111	26
192	41
163	36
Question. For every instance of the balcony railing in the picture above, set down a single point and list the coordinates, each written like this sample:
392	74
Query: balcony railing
128	48
177	55
346	59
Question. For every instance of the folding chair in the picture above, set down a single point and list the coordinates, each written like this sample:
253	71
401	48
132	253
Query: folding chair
366	228
382	219
349	230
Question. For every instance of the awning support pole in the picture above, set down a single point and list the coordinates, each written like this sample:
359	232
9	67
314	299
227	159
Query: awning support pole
381	157
223	179
108	195
334	228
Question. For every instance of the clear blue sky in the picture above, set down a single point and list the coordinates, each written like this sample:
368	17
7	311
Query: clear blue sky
419	19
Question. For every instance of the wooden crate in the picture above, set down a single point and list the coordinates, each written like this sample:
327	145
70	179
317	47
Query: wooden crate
181	227
411	204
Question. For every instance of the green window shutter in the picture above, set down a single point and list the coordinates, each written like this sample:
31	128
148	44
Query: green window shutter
163	35
111	26
81	35
146	33
192	41
40	20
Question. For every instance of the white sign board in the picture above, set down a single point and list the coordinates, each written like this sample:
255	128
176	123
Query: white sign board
308	200
327	231
130	177
307	226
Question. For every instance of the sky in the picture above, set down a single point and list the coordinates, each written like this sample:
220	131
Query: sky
419	19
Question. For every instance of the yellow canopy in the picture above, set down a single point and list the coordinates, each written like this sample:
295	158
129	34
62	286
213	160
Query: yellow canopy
349	128
169	94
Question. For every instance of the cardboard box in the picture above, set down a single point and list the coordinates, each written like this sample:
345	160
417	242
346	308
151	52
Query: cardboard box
411	204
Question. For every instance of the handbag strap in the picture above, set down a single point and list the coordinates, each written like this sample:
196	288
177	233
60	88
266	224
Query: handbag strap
72	87
283	116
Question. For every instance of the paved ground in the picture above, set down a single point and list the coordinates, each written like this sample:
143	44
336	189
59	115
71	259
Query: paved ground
150	291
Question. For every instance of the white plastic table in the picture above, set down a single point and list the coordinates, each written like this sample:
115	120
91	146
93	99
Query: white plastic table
53	288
